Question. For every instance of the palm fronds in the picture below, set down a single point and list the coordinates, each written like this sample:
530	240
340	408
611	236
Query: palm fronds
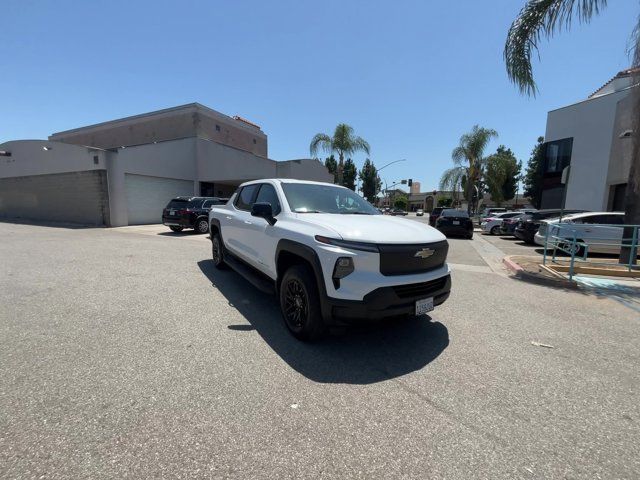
541	19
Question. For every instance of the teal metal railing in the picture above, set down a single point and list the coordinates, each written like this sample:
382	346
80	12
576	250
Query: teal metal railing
566	238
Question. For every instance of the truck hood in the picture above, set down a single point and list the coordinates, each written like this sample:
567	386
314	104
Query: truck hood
374	228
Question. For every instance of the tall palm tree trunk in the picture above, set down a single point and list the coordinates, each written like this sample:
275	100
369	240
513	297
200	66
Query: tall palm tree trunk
340	172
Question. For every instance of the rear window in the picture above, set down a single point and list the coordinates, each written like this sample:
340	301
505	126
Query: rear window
178	203
437	210
455	213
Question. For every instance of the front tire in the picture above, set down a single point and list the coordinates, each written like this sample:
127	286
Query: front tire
202	225
175	229
300	304
217	252
495	230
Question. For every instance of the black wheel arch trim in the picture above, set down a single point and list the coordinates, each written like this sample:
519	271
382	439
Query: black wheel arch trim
308	254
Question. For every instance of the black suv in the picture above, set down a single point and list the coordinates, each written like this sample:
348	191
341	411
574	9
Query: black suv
190	212
528	224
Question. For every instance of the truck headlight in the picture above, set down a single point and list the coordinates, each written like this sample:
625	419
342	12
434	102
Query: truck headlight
344	266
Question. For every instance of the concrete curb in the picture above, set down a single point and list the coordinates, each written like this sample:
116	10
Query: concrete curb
543	280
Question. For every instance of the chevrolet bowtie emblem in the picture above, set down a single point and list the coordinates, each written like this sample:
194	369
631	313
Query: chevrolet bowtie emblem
424	253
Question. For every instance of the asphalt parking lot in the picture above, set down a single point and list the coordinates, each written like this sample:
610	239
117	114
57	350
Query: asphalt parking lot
124	353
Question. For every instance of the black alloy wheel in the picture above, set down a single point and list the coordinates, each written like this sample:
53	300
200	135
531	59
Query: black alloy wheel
300	303
296	305
217	251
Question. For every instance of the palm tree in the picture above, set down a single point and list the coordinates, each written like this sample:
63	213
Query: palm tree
544	18
344	142
452	180
470	155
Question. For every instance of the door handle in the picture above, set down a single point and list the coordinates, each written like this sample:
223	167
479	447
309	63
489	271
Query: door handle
247	222
227	217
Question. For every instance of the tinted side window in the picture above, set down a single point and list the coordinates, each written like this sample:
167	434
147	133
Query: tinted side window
605	219
246	196
268	194
208	203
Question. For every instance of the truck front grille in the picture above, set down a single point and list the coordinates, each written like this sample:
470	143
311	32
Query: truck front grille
409	259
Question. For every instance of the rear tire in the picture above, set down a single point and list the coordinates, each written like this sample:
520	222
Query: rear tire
202	225
217	252
175	229
495	230
300	304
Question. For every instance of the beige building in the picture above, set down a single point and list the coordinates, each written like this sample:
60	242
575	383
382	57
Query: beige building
123	172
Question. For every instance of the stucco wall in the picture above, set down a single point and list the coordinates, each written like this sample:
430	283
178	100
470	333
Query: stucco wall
304	169
193	120
590	123
219	163
28	157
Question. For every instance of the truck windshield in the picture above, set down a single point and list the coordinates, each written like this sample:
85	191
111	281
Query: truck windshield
312	198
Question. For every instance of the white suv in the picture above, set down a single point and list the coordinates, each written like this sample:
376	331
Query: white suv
329	255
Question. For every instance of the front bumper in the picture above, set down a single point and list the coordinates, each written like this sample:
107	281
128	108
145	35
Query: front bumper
384	302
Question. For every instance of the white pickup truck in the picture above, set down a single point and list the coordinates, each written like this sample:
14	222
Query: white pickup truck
329	256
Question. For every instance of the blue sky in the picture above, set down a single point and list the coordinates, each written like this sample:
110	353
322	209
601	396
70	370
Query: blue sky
409	76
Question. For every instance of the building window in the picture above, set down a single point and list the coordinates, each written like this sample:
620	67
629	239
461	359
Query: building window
558	155
254	141
96	159
217	128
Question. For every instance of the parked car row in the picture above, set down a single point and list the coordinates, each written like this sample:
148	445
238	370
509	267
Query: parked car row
190	212
602	232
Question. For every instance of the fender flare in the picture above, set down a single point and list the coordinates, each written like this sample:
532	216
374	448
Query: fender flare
309	254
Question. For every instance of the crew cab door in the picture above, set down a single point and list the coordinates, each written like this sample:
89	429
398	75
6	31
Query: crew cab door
262	237
236	223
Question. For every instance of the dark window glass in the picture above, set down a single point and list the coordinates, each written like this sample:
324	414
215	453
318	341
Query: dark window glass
196	203
209	203
318	198
178	203
246	196
455	213
558	155
604	219
267	194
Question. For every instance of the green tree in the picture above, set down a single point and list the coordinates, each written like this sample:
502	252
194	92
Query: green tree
401	202
501	175
445	202
371	183
470	154
349	174
533	176
343	142
332	167
543	19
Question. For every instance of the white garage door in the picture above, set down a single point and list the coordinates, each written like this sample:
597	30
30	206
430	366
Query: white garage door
147	196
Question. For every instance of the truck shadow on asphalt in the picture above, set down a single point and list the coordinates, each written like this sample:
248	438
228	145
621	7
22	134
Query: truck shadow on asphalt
362	355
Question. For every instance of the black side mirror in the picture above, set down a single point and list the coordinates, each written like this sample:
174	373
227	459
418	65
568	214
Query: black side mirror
263	210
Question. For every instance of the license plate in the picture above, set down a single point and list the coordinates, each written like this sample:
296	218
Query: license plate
456	222
172	212
424	306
